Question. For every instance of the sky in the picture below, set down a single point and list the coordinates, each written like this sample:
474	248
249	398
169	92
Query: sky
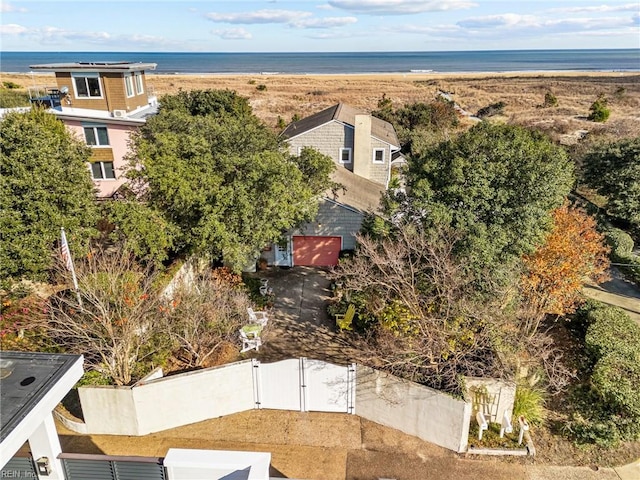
316	26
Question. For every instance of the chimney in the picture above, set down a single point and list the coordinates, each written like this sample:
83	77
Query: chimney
362	145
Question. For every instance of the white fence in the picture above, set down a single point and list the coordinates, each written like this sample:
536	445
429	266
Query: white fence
305	385
412	408
296	384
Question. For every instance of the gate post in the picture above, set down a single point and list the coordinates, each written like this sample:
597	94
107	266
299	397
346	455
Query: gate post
303	385
257	383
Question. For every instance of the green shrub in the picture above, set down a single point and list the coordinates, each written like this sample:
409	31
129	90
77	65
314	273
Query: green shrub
607	406
13	99
261	87
620	242
616	380
598	112
550	100
92	378
10	85
491	110
529	401
611	330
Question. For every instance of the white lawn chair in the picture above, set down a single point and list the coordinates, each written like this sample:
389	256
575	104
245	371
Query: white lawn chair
249	341
260	318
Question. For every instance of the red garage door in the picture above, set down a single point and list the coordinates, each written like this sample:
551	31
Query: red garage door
316	251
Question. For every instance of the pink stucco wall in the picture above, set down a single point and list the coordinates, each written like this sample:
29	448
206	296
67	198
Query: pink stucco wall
118	140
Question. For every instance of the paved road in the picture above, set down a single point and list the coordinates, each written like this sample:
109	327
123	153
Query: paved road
619	292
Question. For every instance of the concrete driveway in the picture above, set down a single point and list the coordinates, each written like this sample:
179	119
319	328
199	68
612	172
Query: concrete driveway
619	292
299	325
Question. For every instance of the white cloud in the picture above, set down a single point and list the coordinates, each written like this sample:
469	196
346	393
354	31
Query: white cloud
49	35
509	20
327	22
13	29
8	8
629	7
400	7
292	18
233	34
259	16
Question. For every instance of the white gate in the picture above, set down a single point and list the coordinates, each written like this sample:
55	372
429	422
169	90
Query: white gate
305	385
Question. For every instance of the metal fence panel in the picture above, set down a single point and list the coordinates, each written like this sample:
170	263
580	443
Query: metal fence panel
19	467
88	469
138	471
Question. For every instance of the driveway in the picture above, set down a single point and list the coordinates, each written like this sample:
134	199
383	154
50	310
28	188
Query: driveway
619	292
299	325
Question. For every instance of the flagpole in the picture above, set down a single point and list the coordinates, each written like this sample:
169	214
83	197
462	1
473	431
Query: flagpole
66	256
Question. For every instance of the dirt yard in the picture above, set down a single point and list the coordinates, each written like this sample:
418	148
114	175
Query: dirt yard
327	446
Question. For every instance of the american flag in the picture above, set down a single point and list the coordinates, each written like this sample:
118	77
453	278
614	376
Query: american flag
66	253
68	261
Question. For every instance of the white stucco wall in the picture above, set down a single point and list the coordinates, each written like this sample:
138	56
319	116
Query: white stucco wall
109	410
168	402
193	397
413	409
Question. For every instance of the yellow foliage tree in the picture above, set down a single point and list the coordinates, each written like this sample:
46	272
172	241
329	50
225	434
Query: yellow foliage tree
555	273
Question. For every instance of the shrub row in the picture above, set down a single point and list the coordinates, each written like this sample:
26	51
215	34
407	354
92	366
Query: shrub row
608	405
622	245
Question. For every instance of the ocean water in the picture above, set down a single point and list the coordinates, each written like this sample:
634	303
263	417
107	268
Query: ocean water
353	62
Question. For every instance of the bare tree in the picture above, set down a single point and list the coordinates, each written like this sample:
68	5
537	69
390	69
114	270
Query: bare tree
205	316
116	325
427	321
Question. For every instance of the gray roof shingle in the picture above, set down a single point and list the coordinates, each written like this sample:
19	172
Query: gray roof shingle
345	114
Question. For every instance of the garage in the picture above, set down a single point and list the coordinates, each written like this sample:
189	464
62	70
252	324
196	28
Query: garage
316	251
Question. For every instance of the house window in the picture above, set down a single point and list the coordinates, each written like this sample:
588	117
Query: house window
345	155
139	86
87	86
128	83
96	136
103	171
378	155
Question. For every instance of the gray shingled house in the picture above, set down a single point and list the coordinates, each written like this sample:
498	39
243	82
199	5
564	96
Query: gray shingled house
363	149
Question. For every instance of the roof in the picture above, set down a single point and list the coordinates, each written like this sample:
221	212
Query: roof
25	379
108	67
345	114
358	193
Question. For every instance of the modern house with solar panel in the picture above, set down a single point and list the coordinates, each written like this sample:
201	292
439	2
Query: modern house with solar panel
102	103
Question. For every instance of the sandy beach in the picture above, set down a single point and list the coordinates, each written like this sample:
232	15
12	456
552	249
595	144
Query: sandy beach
284	96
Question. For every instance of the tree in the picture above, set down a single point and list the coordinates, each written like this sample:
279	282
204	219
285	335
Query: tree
419	124
145	230
421	315
205	317
555	273
117	325
614	171
44	185
598	111
219	175
496	184
550	100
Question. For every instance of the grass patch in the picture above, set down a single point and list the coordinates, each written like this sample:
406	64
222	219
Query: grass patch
491	437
